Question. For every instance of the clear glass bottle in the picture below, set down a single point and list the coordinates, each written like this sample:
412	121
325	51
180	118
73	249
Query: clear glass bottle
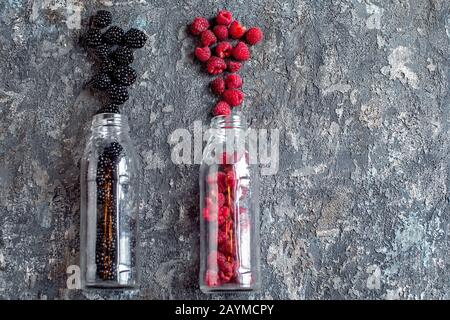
229	210
110	183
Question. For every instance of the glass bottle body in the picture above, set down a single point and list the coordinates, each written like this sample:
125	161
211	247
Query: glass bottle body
229	210
110	183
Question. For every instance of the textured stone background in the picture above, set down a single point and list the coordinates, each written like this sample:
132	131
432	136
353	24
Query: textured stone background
360	205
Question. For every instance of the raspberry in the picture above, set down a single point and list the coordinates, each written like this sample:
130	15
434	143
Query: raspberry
124	75
233	97
233	66
217	86
224	17
253	36
236	30
123	55
220	260
221	32
241	51
219	180
220	199
233	81
102	19
226	272
224	49
215	65
208	38
222	109
230	180
199	25
202	53
212	278
134	38
114	35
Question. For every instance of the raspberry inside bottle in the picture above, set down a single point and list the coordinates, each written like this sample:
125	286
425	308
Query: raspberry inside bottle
229	209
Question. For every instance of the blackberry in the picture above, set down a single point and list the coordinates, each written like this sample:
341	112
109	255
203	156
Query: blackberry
113	150
102	51
114	35
93	38
102	19
123	55
135	38
124	75
118	94
110	108
100	81
107	66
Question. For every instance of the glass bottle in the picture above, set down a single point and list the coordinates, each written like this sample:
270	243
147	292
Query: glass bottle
229	210
110	183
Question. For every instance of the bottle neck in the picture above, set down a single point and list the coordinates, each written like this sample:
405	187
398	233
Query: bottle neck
109	124
234	121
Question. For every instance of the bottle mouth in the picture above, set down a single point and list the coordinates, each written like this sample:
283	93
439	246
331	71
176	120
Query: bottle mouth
233	121
108	119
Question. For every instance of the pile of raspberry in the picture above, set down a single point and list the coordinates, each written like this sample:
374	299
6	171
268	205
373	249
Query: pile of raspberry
113	50
224	213
223	47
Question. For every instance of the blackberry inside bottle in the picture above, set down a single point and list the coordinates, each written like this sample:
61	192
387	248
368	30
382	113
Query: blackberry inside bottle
109	205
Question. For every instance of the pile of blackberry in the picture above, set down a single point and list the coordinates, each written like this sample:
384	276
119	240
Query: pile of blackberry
106	244
113	49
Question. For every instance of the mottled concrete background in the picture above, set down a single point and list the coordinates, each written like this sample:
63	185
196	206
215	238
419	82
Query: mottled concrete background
360	206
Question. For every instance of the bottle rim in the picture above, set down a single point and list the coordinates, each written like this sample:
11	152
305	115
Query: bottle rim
233	121
108	119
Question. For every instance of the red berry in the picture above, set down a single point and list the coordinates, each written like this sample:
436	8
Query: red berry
230	179
224	49
212	278
215	65
253	36
226	273
208	38
233	81
224	17
233	97
202	53
220	200
221	32
199	25
236	30
222	109
241	51
233	66
217	86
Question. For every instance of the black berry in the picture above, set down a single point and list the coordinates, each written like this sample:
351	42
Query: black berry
107	66
102	19
123	55
102	51
93	38
114	35
118	94
124	75
110	108
101	81
135	38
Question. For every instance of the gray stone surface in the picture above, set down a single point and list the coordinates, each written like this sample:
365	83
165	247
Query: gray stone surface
360	206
